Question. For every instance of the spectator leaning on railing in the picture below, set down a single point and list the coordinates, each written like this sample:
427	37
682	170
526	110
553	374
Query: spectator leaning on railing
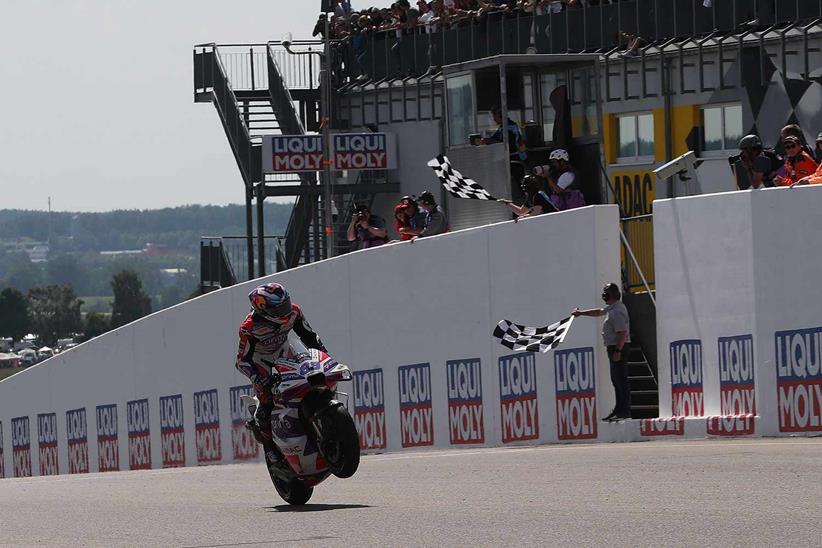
798	163
435	220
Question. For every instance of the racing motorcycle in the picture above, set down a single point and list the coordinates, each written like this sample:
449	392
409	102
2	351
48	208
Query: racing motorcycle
314	434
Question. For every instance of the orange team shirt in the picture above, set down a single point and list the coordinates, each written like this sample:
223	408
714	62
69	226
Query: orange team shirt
804	166
816	178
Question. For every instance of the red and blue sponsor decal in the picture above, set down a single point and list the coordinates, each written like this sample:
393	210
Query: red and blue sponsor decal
139	435
730	425
21	447
207	427
172	431
669	426
736	375
686	378
799	379
518	397
369	408
465	420
47	444
576	394
108	444
416	413
77	438
243	444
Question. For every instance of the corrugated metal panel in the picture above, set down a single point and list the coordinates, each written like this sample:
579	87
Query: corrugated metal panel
488	166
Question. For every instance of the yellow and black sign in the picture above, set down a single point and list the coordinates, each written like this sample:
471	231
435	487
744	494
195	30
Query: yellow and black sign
635	191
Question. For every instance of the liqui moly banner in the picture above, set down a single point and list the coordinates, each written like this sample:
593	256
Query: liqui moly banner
576	394
416	413
21	446
799	379
108	443
369	408
465	421
736	375
673	426
730	425
47	444
351	151
172	431
207	427
243	444
77	437
686	378
518	397
139	435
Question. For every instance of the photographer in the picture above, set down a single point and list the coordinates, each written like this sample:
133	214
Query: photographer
367	229
760	164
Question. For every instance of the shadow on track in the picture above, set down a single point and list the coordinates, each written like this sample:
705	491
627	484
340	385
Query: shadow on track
315	507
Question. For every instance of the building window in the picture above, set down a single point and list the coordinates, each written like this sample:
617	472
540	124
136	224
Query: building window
635	135
721	127
460	98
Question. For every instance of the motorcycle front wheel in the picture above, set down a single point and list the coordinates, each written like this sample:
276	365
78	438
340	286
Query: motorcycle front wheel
341	443
293	491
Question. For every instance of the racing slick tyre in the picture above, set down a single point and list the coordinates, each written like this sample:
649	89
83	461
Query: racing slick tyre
341	443
292	491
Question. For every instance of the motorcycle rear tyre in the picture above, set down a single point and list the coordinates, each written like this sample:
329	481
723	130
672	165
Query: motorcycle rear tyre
294	492
342	432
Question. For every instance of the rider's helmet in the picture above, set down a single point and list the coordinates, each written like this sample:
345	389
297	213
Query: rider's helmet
559	154
272	302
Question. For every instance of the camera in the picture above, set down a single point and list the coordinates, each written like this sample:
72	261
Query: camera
734	159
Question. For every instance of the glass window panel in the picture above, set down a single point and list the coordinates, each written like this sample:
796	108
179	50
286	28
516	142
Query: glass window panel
627	136
646	134
733	126
460	96
712	128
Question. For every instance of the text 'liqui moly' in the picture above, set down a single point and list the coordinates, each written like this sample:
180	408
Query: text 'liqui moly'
799	379
369	408
465	422
139	435
686	378
108	443
77	437
730	425
243	444
355	151
416	414
47	444
296	153
736	375
172	431
21	446
674	426
518	397
576	394
207	427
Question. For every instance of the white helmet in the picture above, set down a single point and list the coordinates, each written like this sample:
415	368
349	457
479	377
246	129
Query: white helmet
559	154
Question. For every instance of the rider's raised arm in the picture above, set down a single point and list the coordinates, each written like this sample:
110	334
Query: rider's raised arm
307	335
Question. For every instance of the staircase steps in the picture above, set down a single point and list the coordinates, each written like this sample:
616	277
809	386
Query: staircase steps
644	387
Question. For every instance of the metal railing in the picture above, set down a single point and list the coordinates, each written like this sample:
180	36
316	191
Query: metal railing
235	250
246	65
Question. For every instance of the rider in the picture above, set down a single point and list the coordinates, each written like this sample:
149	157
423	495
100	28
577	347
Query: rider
263	339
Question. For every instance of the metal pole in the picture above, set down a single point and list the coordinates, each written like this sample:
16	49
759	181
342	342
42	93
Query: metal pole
326	132
249	231
260	229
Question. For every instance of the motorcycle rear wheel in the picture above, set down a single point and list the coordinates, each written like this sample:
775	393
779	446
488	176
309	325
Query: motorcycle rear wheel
294	491
341	443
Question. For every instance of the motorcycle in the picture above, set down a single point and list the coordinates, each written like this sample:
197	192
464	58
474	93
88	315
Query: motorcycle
314	436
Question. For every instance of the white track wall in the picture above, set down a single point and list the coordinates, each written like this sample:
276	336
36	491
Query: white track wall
738	275
433	302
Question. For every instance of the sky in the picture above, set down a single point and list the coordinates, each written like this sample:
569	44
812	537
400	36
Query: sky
96	102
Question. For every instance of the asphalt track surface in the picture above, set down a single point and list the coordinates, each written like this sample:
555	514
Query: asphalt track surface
758	492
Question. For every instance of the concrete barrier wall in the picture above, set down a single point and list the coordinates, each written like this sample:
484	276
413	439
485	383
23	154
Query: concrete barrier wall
738	293
412	320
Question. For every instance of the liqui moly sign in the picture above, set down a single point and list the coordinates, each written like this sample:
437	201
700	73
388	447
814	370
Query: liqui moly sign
47	444
736	375
243	444
686	378
518	397
207	427
673	426
799	379
576	394
77	437
369	408
730	425
172	431
350	151
21	446
416	414
108	443
465	422
139	435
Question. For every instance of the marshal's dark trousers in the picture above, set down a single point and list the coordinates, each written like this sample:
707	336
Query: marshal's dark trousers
619	378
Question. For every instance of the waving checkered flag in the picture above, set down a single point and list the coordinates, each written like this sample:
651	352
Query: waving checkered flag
454	181
532	339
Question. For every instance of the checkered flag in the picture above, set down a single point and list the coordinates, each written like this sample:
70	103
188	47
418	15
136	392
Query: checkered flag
454	181
532	339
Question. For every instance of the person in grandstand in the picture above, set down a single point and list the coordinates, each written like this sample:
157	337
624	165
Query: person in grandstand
798	163
263	339
366	228
562	180
761	164
537	200
516	140
435	220
817	151
616	333
408	219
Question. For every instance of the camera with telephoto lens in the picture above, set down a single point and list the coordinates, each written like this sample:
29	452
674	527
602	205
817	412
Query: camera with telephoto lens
734	159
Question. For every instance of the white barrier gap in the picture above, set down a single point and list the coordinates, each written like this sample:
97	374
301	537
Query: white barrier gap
414	322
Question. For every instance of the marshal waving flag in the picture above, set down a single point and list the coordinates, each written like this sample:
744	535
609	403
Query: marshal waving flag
455	182
532	339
